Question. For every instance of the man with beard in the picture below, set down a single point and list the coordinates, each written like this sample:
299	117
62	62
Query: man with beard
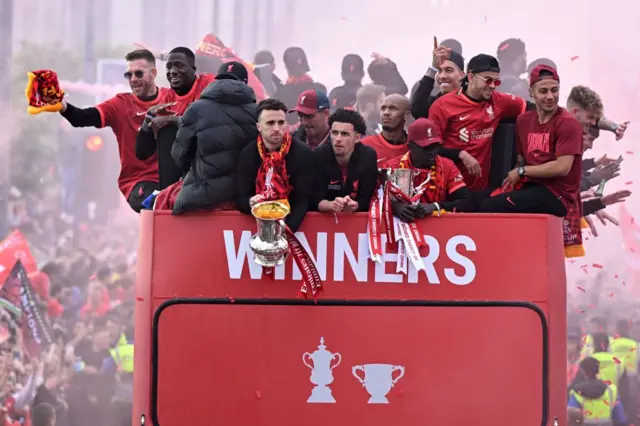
313	109
346	172
125	113
549	155
159	131
438	177
447	69
469	118
392	141
276	166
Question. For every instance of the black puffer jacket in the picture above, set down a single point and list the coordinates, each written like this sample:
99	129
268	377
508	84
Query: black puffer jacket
214	130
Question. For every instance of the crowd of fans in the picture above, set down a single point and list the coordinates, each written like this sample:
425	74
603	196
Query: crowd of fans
84	286
478	136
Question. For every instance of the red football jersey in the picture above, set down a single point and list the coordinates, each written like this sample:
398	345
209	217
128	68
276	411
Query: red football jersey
385	150
469	125
183	102
541	143
124	113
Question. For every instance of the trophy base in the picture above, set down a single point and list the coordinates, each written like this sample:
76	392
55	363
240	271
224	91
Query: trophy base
269	263
378	400
321	395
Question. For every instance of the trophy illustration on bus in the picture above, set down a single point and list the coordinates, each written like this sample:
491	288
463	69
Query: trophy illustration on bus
378	380
321	366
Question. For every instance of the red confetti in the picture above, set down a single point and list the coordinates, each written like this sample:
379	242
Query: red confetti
232	300
582	289
611	294
504	47
584	266
573	58
139	299
629	183
616	360
580	311
615	276
258	394
629	152
623	283
597	265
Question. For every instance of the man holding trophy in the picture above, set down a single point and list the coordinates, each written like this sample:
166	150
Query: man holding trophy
435	184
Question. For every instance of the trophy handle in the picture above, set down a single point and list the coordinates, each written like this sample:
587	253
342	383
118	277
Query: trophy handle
401	370
339	357
304	359
354	371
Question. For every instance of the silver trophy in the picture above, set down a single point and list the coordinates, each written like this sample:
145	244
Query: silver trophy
403	179
269	243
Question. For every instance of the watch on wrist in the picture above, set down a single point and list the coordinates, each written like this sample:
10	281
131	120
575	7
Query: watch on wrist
521	171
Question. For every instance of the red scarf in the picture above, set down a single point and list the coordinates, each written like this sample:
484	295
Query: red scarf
435	191
304	78
273	180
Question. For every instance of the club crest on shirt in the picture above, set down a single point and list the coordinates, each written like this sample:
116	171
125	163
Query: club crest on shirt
490	112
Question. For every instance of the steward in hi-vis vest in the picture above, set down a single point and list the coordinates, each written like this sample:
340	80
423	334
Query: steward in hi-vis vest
599	402
610	367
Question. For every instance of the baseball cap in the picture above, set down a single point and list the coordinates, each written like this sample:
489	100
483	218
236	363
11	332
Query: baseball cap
233	71
352	64
457	59
311	101
424	132
483	63
542	72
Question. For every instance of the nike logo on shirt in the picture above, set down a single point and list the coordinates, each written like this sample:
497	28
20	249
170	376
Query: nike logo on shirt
464	118
334	182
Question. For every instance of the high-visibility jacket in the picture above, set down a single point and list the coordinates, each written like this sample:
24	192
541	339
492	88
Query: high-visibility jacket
587	347
598	412
610	367
123	356
626	350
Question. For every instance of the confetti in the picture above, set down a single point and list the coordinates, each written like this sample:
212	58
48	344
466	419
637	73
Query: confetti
573	58
232	300
597	265
258	394
582	289
615	276
629	152
485	19
616	360
611	294
504	47
629	183
139	298
623	283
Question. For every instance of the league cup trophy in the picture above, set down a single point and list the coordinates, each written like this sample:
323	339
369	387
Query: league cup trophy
403	179
269	243
378	380
321	374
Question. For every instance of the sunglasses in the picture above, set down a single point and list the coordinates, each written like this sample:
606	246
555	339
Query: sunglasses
137	73
490	80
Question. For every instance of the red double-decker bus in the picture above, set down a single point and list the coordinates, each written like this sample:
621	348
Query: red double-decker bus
478	338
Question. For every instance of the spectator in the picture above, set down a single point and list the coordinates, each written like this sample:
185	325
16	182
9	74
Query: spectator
352	75
265	66
298	81
453	44
512	56
346	171
384	72
369	98
43	415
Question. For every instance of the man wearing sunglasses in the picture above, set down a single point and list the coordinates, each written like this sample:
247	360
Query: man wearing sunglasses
468	119
125	113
